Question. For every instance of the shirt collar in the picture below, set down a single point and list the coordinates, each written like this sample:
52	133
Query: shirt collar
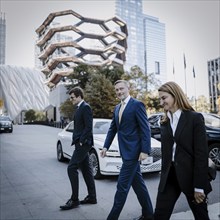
176	114
80	103
127	100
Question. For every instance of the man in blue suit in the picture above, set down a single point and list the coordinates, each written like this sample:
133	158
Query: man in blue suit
133	131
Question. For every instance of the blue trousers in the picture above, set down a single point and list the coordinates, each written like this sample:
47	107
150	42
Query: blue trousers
130	175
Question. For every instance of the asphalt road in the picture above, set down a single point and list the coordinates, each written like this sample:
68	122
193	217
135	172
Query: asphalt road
34	184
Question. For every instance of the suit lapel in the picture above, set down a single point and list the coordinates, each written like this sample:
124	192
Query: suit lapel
124	112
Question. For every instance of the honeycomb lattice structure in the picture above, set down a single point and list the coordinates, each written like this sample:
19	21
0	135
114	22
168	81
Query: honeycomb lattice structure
56	65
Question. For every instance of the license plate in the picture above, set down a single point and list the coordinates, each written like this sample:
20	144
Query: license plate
148	160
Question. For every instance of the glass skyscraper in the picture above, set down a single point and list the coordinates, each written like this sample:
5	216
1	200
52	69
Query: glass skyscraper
131	12
155	48
146	39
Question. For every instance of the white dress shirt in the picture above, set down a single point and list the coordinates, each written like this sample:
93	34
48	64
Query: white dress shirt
174	119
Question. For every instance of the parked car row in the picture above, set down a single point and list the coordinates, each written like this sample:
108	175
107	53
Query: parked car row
111	164
212	124
6	124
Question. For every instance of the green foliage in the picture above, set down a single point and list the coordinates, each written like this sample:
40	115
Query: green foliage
66	109
30	116
142	86
101	95
98	85
201	104
40	116
80	76
112	73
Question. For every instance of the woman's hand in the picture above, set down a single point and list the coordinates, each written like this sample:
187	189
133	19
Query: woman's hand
199	197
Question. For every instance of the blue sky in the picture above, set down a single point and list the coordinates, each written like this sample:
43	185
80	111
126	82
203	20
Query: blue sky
192	27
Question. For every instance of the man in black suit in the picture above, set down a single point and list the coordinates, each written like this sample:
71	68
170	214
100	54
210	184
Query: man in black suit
83	140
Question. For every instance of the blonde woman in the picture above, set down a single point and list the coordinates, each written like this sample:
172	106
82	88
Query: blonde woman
184	155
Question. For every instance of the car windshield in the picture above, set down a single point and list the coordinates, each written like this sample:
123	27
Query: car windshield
212	120
101	127
4	118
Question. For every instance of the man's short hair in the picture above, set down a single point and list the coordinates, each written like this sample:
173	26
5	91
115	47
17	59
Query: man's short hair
122	81
77	91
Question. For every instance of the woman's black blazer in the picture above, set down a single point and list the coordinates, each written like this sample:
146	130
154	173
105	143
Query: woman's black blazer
191	156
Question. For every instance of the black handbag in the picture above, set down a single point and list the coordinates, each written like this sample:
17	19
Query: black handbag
212	170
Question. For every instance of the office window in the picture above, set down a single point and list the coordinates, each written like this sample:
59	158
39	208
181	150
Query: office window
157	67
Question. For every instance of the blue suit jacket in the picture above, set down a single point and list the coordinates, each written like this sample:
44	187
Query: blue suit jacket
133	131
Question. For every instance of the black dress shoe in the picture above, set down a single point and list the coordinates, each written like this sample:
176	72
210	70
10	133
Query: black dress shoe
71	204
142	217
88	200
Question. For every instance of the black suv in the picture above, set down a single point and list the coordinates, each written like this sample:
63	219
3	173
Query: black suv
212	123
6	124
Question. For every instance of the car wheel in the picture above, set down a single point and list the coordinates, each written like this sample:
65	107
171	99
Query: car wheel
93	159
60	156
214	154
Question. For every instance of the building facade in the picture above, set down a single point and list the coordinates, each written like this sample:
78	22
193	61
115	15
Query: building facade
214	84
146	39
132	13
2	38
155	48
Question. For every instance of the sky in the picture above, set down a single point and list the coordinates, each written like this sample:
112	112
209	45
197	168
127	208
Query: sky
192	28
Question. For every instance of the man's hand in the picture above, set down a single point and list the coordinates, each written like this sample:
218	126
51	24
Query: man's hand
103	152
199	197
142	156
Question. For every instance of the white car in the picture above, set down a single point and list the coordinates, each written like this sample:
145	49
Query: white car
111	164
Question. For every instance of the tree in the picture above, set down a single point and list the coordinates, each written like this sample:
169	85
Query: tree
30	115
80	76
98	82
101	96
40	116
66	108
143	88
202	104
113	73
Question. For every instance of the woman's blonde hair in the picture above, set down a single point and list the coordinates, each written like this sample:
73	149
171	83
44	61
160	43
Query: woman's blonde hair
179	97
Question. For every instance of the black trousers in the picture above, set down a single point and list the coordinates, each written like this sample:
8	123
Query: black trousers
166	201
80	159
